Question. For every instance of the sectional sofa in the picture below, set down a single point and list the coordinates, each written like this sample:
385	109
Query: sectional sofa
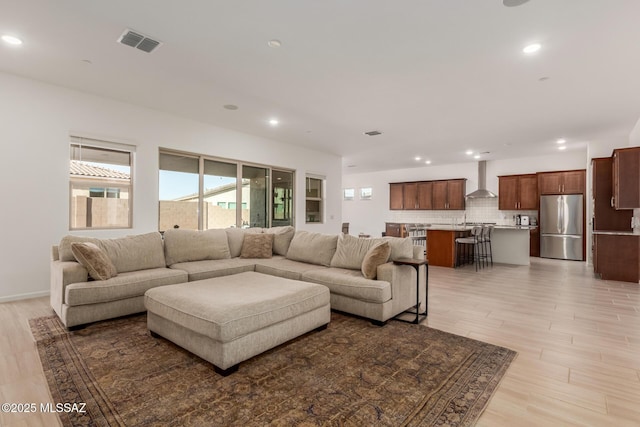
138	263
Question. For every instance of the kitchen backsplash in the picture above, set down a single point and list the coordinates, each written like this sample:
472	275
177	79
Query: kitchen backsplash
478	210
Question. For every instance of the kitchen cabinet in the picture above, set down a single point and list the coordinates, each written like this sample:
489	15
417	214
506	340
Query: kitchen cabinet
425	195
441	246
396	196
615	256
394	229
563	182
534	242
421	195
449	194
518	192
626	178
605	216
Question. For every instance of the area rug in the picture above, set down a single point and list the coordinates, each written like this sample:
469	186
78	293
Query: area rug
351	374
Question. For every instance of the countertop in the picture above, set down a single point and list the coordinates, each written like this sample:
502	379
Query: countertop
468	227
616	233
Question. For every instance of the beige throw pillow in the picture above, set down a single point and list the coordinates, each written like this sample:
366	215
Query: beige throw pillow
376	256
351	251
94	260
314	248
257	246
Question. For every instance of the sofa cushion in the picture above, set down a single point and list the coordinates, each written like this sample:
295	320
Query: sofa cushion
400	247
125	285
91	257
64	249
199	270
133	253
235	237
194	245
282	238
314	248
257	246
350	283
350	251
376	256
282	267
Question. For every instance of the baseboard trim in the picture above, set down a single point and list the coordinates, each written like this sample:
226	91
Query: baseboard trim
24	296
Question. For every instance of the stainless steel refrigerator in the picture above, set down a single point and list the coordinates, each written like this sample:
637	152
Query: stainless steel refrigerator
561	227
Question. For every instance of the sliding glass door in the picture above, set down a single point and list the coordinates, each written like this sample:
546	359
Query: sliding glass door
198	193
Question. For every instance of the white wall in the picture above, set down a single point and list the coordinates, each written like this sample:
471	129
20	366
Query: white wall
36	120
369	216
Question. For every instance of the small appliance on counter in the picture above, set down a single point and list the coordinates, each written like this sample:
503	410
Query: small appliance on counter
524	219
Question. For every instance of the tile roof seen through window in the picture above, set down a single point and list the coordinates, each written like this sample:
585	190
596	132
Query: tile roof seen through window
84	169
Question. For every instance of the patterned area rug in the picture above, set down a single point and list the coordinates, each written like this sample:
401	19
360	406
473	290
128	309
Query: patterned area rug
351	374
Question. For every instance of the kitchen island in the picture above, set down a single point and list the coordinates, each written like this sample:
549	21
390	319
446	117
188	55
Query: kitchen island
509	243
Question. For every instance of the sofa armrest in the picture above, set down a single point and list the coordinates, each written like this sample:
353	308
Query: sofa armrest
64	273
403	285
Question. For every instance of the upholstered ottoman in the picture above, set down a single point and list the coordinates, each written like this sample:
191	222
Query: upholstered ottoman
226	320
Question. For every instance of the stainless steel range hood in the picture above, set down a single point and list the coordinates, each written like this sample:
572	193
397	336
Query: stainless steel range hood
482	192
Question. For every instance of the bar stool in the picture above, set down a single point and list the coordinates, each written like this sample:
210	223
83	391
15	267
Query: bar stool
486	241
472	247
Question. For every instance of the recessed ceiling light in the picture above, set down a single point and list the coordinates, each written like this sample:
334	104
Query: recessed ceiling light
230	107
11	40
274	43
469	152
418	158
428	162
562	147
477	156
373	133
532	48
273	122
561	141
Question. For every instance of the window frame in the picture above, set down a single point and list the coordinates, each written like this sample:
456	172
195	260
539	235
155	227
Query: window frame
106	184
239	182
321	199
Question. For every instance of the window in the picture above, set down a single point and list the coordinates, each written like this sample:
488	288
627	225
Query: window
179	196
314	199
282	198
100	184
197	192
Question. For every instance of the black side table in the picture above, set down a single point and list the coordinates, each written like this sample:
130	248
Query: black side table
416	263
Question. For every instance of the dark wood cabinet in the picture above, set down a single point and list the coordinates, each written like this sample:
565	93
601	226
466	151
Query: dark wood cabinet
410	196
449	194
518	192
564	182
605	216
534	242
396	196
394	229
615	257
626	178
427	195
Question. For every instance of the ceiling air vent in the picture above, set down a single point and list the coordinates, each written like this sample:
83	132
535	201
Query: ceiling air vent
138	41
373	133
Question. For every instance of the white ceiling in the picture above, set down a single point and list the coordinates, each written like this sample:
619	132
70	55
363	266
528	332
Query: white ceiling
437	77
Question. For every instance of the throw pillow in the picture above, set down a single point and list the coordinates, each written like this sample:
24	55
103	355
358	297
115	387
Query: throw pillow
257	246
182	245
91	257
282	238
351	251
314	248
376	256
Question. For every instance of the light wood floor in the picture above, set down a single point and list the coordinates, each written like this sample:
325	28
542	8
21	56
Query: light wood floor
577	338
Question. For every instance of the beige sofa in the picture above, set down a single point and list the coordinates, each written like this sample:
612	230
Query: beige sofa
148	260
